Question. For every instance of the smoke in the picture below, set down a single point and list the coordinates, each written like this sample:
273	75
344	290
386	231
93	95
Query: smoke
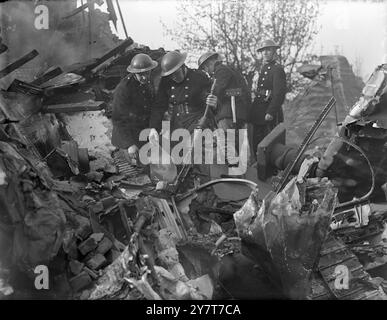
55	48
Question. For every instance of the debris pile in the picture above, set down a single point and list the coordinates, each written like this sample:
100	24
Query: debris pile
104	230
88	230
71	203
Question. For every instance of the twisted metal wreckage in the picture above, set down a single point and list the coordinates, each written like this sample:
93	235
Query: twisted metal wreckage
106	232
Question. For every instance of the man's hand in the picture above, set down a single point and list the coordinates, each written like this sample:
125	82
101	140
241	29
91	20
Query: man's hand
133	154
153	136
133	150
268	117
212	100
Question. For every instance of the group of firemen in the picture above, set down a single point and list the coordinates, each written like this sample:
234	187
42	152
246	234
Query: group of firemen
184	94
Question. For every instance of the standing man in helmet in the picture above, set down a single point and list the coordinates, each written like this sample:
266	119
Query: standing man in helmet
132	105
227	78
266	111
183	92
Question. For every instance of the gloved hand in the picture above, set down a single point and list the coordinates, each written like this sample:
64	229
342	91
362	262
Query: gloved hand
133	154
153	136
133	150
268	117
212	100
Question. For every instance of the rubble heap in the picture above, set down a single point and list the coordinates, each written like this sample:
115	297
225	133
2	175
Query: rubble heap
99	224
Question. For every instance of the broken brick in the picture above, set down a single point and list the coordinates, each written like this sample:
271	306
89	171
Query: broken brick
108	202
85	295
97	207
76	267
94	176
109	168
96	262
112	255
97	236
104	246
84	229
88	245
80	281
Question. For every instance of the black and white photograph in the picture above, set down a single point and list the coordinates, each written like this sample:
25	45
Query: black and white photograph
209	152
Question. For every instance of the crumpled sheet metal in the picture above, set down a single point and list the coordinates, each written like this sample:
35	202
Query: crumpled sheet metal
284	239
171	288
34	211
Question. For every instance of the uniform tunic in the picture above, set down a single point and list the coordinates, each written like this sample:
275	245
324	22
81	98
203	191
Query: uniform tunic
229	78
270	95
185	101
131	112
271	91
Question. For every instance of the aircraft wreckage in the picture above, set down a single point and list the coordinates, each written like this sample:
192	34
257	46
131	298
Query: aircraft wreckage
302	225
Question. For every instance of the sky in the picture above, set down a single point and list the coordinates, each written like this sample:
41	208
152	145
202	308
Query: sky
356	29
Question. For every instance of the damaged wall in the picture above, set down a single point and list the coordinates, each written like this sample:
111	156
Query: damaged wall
305	108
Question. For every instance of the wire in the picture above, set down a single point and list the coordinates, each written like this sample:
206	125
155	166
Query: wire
364	197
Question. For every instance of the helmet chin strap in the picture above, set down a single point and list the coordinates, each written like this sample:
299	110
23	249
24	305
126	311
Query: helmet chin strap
143	79
184	69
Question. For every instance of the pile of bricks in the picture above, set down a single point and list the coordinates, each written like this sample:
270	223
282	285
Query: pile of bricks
93	253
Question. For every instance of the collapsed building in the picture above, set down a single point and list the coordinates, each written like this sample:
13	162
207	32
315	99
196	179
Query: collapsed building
105	231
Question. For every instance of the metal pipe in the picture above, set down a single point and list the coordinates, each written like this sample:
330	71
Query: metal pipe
248	183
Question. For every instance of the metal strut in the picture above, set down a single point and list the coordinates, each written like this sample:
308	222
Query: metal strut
304	144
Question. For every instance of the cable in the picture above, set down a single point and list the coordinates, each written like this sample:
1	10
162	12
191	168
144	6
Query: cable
364	197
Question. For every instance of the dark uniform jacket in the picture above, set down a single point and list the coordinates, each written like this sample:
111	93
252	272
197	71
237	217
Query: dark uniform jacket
229	78
185	101
131	112
270	95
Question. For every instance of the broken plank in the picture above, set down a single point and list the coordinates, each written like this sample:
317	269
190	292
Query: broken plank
75	107
86	69
24	87
18	63
47	76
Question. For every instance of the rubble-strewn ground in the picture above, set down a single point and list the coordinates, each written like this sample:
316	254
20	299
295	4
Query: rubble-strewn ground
70	202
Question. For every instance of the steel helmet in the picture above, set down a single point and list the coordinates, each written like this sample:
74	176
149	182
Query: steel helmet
140	63
268	44
171	62
204	57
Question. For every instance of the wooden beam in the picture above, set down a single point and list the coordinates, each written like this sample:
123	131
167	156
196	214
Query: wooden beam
85	69
47	76
75	107
24	87
18	63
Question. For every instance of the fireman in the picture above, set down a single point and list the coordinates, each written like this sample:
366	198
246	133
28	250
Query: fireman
266	111
227	78
132	102
183	93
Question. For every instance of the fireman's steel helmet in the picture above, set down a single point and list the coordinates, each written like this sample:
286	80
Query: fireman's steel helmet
171	62
141	63
204	57
268	44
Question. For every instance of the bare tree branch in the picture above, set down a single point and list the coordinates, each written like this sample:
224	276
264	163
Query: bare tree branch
235	28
